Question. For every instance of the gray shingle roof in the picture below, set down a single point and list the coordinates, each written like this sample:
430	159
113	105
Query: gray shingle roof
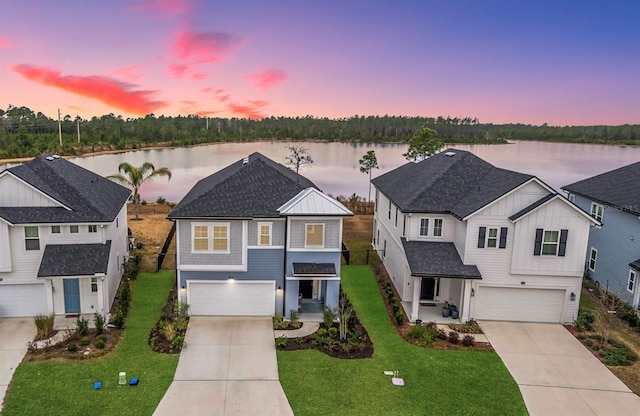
314	269
74	259
617	188
458	184
255	189
533	206
635	264
437	259
90	197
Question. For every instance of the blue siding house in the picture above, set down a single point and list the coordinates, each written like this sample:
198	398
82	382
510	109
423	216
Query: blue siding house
613	254
257	238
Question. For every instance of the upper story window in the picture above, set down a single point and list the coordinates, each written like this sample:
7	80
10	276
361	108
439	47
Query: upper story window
492	237
571	197
74	229
424	227
404	225
93	228
211	237
314	236
264	233
117	222
550	242
597	211
396	217
437	227
389	209
94	284
31	238
55	229
592	259
631	282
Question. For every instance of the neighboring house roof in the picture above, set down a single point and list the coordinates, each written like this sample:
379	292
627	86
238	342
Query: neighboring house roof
635	265
617	188
544	201
306	269
437	259
453	181
313	202
253	187
83	195
61	260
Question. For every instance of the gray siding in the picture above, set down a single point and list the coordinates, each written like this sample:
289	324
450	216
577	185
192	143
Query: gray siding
618	244
312	257
277	232
331	232
234	257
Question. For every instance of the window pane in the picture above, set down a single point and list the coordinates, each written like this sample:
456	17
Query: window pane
200	231
55	229
264	235
73	229
551	236
201	244
219	232
219	245
31	232
437	227
424	226
315	234
32	244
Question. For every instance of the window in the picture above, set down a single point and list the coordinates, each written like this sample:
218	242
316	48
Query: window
315	235
571	197
632	280
597	211
117	222
404	225
118	261
592	259
389	209
94	284
220	238
31	238
384	250
437	227
550	242
200	238
73	229
93	228
396	217
492	238
55	229
424	227
264	233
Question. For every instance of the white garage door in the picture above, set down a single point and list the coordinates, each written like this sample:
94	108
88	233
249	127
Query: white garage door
231	298
22	300
519	304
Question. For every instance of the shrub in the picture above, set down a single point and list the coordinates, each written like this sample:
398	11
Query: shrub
585	320
423	334
470	327
101	337
178	342
453	337
442	334
294	317
82	326
279	322
399	316
98	321
85	341
328	316
100	344
620	354
72	347
168	330
333	331
321	332
468	340
118	318
161	200
44	325
281	342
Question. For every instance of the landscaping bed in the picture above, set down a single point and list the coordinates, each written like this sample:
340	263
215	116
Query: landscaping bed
167	336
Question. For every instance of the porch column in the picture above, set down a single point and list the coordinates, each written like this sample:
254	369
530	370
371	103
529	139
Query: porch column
48	288
415	303
101	292
465	302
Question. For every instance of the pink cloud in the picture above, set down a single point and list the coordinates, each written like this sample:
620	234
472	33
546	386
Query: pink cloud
267	78
177	70
163	8
207	113
109	91
198	76
131	72
4	43
248	111
203	47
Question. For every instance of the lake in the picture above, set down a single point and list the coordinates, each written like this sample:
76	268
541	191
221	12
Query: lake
336	169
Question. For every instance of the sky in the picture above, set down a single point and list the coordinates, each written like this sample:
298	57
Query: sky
557	62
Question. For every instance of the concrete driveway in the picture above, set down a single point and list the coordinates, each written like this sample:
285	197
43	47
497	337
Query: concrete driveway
14	335
556	374
229	367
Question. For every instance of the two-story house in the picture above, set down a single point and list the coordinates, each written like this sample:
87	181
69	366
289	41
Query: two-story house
257	238
498	244
63	239
613	254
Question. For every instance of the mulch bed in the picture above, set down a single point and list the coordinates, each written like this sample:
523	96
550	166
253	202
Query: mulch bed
61	350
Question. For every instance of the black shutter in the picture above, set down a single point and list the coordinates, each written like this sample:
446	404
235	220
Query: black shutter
481	234
537	248
563	243
503	237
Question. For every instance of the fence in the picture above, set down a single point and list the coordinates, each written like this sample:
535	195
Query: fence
359	257
360	207
166	245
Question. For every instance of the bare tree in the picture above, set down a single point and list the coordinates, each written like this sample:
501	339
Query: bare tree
298	157
345	311
609	304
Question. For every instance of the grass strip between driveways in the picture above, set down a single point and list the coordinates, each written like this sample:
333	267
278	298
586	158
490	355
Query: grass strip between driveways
436	382
66	387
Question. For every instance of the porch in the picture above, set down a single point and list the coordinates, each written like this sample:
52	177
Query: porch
62	322
311	310
430	312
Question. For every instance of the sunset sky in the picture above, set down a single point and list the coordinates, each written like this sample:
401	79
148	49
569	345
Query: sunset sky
556	62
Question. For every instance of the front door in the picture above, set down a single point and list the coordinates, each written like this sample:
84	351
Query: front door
306	289
427	288
71	295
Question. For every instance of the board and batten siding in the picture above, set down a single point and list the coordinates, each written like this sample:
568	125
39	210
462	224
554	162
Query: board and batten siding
413	227
236	244
5	249
277	231
618	244
15	193
332	232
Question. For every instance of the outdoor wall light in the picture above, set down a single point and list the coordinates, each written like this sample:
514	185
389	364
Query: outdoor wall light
279	289
572	296
473	292
523	283
230	278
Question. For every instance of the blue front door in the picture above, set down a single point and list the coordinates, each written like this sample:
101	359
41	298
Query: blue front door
71	295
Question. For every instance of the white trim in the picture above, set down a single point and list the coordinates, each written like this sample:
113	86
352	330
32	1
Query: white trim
599	211
497	238
233	282
265	247
207	268
634	281
420	227
269	225
7	172
316	250
306	231
592	258
557	242
559	197
433	228
314	277
210	237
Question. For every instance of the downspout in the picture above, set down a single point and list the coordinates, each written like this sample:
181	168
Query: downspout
284	267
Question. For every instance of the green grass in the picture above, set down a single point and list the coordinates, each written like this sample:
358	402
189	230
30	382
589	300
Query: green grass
66	388
436	382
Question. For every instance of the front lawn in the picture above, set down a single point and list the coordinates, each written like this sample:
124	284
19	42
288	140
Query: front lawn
436	382
66	387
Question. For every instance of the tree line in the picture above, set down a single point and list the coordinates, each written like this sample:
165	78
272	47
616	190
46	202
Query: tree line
26	133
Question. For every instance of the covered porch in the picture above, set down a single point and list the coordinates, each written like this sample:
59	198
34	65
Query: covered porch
431	312
312	287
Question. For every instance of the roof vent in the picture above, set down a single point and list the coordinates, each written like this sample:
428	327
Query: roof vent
49	158
56	157
245	161
450	154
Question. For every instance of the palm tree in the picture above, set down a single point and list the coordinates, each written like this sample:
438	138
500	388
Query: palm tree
135	176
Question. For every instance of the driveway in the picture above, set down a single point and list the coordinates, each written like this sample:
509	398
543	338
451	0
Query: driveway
556	374
229	367
14	335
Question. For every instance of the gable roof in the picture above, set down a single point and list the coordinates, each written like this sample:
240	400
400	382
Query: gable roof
74	259
453	181
616	188
253	187
311	201
544	201
83	195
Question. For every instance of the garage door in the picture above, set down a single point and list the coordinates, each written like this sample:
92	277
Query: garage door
519	304
231	298
22	300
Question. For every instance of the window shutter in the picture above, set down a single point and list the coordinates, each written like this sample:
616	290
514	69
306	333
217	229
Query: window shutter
562	248
537	248
503	237
481	235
